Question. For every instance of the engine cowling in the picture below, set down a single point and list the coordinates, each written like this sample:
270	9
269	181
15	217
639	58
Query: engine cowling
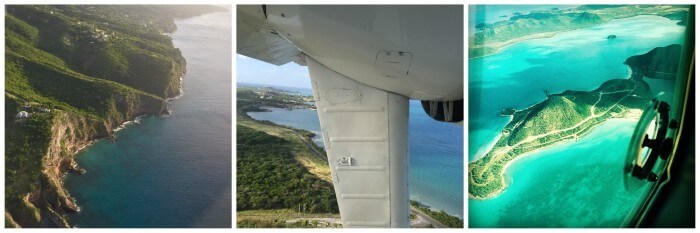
446	111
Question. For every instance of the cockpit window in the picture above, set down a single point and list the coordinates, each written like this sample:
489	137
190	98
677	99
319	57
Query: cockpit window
556	94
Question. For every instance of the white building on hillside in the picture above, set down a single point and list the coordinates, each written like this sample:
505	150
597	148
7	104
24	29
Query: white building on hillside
22	114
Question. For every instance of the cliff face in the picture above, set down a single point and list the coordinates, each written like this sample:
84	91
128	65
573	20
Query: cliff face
47	202
76	73
179	68
71	133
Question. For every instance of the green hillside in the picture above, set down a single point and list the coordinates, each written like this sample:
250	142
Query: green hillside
269	177
659	63
539	24
73	73
565	116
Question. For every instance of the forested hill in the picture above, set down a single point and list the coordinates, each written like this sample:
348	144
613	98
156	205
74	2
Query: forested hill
73	73
124	44
490	37
659	63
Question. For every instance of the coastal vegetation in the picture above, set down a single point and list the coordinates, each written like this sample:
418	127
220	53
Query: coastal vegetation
281	181
285	218
270	178
489	38
568	116
565	116
659	63
73	73
440	216
288	153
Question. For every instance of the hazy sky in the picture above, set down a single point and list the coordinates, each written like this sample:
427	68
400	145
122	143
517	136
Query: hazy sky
250	70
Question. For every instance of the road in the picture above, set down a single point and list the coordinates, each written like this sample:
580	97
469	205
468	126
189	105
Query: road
500	153
420	214
311	147
308	145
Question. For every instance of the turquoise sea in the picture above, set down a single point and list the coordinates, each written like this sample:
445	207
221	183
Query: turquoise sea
172	171
571	184
436	153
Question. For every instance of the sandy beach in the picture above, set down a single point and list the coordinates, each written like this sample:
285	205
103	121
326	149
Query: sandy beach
631	116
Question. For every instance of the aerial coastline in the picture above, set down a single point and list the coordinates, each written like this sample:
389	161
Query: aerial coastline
566	116
576	113
59	113
492	38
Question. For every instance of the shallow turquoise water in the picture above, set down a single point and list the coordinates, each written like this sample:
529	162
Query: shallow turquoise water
436	153
572	184
169	171
575	184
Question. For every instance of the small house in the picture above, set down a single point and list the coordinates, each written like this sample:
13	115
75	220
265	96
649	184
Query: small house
22	114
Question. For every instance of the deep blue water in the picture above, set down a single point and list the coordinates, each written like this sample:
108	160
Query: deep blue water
436	153
571	184
169	171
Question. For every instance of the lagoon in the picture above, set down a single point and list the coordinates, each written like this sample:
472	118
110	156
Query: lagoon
575	183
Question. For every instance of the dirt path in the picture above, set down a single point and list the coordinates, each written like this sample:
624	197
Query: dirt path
499	155
311	147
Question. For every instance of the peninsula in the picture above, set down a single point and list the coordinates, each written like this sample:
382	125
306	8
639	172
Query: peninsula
75	73
489	38
567	116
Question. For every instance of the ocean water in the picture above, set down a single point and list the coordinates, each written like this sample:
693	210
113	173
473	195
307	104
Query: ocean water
494	13
436	154
572	184
170	171
299	90
305	119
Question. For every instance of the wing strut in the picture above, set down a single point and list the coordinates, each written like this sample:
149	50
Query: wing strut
365	132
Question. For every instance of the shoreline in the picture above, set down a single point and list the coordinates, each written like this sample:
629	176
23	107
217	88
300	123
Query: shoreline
627	116
123	125
542	35
72	129
311	138
506	166
498	46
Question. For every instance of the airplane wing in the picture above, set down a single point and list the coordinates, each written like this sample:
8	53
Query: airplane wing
365	135
257	39
365	63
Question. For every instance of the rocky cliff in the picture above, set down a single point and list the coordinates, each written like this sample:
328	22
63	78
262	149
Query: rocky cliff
73	75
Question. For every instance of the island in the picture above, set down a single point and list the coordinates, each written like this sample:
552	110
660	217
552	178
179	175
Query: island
74	74
611	37
490	38
566	116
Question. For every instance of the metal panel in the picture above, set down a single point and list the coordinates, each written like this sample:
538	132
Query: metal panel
366	141
256	39
354	41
